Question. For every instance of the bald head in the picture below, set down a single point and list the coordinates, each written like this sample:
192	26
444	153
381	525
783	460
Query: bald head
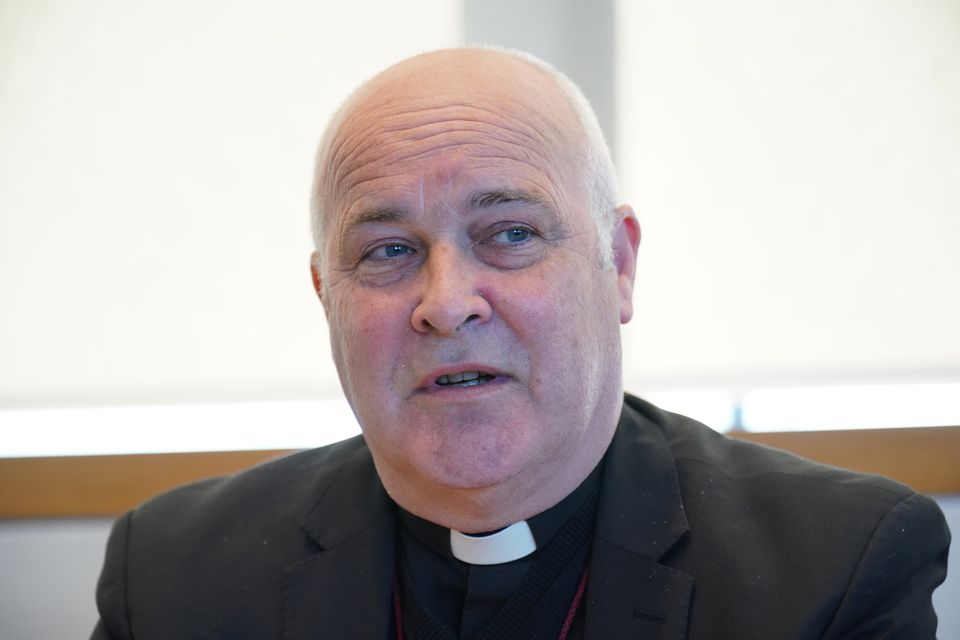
546	106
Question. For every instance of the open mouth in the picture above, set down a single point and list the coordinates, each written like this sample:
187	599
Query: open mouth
464	379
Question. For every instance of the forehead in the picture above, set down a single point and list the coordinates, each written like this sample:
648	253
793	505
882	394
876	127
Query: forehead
435	122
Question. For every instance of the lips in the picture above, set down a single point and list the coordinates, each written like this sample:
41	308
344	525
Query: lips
461	376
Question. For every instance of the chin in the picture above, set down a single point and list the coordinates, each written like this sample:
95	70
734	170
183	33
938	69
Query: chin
479	468
462	454
471	479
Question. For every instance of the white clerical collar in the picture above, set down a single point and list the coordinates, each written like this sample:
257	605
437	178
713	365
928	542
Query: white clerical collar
506	545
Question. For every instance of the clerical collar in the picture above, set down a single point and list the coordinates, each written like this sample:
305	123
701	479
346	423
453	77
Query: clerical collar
506	545
517	541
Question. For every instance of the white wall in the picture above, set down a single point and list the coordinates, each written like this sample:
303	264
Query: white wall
945	599
48	573
796	170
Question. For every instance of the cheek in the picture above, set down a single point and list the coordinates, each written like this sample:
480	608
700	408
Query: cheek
535	309
555	300
567	321
362	329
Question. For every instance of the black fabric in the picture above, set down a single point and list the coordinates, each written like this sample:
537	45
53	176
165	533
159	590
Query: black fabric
460	596
697	537
463	597
564	556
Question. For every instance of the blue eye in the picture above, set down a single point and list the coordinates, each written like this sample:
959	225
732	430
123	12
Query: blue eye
388	251
515	235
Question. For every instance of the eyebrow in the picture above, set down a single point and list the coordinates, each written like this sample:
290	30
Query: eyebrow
372	216
485	199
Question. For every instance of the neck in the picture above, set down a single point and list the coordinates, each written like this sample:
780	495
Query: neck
488	508
478	510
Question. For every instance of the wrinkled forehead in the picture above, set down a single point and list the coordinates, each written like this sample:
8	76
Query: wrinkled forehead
488	101
509	87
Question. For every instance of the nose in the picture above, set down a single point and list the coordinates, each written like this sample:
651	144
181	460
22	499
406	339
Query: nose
450	297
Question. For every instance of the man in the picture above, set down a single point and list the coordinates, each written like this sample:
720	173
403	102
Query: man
474	269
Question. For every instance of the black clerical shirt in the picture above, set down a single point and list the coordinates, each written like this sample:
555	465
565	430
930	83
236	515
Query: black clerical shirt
443	598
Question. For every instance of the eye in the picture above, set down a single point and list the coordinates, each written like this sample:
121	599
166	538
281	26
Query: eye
514	235
389	251
511	245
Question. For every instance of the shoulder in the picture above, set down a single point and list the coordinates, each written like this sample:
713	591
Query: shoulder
258	512
283	486
212	554
767	488
744	470
827	548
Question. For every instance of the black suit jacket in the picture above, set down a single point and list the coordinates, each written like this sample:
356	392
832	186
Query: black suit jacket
697	537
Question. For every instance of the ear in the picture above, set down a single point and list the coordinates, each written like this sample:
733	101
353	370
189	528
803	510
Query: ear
626	241
317	279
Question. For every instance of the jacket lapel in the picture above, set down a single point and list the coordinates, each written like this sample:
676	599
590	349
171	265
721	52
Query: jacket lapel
343	590
639	519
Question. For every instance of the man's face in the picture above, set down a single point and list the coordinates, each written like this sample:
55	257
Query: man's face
474	330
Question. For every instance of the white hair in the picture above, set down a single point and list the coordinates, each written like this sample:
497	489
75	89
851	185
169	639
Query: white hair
597	168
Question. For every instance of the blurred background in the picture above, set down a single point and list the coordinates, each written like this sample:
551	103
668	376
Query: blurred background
795	168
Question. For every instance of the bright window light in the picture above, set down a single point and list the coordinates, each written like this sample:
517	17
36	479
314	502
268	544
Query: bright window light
314	423
175	428
852	407
713	407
